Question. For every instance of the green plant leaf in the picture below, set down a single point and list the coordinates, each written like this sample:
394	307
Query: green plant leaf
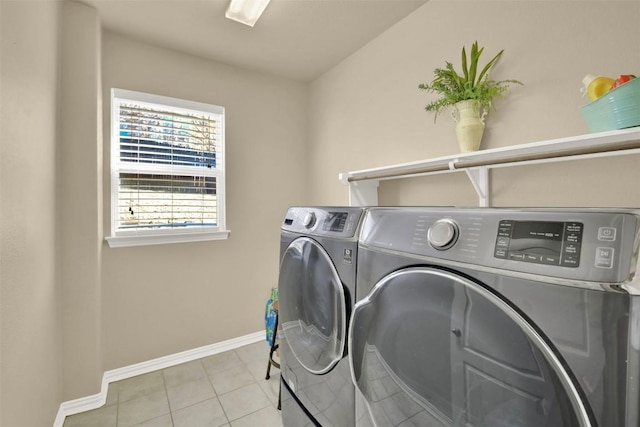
465	71
487	67
473	68
455	78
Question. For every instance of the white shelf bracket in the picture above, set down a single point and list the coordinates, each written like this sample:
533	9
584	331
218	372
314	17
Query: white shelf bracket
480	179
361	193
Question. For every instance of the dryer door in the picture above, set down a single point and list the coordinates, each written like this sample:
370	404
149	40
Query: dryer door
312	306
438	349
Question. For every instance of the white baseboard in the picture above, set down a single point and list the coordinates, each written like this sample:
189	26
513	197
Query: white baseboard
97	400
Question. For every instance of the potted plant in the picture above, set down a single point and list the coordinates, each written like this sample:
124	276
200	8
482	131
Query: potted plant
471	94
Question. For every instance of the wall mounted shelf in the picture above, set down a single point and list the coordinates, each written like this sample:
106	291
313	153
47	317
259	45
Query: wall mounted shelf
363	184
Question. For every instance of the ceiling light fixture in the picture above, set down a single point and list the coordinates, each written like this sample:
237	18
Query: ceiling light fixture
246	11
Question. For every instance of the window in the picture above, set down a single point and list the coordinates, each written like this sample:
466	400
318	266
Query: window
167	170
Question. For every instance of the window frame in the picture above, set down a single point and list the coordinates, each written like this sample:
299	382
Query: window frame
142	237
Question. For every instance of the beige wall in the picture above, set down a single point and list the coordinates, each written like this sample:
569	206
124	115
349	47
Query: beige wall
368	111
159	300
79	200
30	332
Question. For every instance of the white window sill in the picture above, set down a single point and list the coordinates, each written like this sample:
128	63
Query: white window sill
162	239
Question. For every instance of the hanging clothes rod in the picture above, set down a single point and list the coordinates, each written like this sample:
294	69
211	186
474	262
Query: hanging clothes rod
622	141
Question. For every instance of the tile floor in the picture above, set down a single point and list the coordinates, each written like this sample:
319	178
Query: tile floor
226	389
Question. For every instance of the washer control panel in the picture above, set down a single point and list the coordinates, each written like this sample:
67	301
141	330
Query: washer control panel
540	242
323	221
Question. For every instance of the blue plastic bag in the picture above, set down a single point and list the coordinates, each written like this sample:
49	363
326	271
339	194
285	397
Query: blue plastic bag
270	316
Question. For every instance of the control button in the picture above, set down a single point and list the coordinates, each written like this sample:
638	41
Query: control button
573	227
500	253
570	262
604	257
550	259
443	234
309	220
502	242
573	237
532	257
570	249
607	234
517	256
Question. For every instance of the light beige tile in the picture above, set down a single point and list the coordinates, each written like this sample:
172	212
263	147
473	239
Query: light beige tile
112	394
142	385
101	417
208	413
244	401
184	373
231	379
143	409
267	417
222	361
271	387
258	368
187	394
255	351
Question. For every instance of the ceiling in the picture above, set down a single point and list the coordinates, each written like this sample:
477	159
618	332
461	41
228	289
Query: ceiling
297	39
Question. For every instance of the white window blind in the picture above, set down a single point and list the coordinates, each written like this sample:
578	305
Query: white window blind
167	169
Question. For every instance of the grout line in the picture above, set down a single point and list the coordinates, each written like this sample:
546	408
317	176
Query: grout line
206	373
166	393
226	416
117	403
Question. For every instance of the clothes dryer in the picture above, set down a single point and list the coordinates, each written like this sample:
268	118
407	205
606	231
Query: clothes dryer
497	317
316	296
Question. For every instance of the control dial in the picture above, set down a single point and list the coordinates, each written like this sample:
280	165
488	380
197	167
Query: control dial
309	220
443	234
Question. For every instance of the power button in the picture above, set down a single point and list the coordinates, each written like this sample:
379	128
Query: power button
607	234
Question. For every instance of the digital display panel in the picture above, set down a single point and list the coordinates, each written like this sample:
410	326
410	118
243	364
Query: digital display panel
335	221
543	238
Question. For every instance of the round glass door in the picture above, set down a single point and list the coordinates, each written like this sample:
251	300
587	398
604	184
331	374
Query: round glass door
312	306
441	350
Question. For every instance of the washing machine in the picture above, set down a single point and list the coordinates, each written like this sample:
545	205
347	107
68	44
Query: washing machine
316	295
497	317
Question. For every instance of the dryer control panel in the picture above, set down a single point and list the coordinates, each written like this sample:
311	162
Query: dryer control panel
594	245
